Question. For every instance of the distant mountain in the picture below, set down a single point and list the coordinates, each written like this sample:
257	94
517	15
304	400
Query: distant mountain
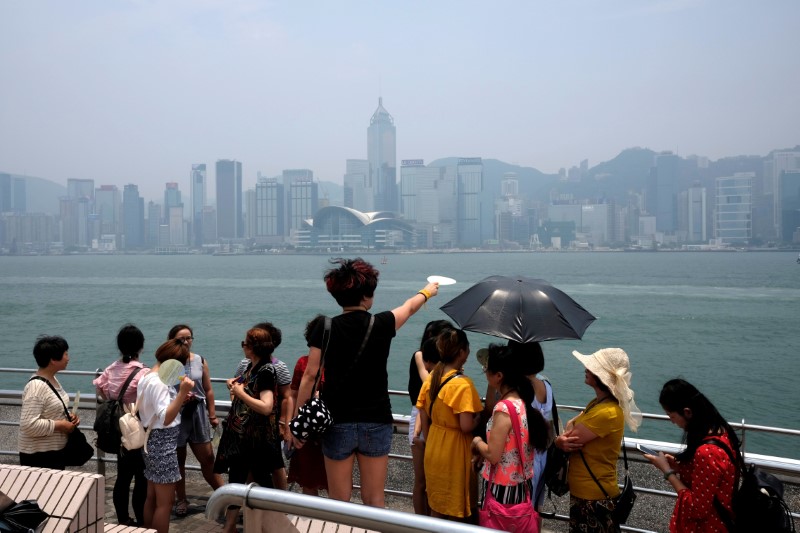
532	182
41	195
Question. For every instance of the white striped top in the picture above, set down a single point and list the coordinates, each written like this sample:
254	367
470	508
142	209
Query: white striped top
40	410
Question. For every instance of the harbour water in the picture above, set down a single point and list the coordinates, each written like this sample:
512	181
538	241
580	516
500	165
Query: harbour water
726	321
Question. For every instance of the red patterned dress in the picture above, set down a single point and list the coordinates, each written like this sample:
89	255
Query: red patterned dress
710	473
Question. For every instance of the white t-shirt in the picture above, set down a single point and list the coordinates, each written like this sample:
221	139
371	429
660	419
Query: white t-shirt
153	397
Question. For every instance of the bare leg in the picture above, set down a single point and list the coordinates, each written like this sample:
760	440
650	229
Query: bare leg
164	498
180	486
340	478
279	479
419	496
373	479
205	456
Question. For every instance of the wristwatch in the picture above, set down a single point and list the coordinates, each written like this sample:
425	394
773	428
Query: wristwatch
668	473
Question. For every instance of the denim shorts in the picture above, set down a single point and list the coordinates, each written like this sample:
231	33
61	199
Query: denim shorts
368	439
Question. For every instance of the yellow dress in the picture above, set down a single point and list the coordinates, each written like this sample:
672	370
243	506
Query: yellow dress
451	481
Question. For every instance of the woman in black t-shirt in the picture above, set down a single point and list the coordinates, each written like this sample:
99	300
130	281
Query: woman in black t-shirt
357	392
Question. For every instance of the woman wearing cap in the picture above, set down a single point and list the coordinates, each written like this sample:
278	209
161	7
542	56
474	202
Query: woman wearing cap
596	434
703	472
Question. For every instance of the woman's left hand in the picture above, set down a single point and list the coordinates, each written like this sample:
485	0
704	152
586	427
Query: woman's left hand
237	389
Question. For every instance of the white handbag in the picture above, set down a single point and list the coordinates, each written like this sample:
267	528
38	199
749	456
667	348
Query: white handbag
133	433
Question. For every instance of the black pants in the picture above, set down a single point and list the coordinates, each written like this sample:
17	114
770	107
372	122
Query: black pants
130	466
54	459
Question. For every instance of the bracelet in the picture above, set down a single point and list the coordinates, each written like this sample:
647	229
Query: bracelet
668	473
425	293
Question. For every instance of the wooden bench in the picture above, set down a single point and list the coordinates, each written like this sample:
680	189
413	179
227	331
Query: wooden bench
75	500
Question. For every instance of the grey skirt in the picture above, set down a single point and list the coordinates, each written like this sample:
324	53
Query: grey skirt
161	459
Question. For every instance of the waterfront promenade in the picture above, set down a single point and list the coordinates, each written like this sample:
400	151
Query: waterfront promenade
650	513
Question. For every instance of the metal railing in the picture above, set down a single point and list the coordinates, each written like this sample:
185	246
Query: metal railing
351	514
787	469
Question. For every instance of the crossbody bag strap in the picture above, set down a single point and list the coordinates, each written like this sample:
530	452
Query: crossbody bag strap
326	339
66	411
127	382
518	432
556	423
451	376
625	458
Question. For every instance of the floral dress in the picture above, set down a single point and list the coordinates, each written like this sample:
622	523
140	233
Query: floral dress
248	435
511	474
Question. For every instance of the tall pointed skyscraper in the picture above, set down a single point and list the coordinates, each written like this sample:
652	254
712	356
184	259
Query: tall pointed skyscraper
381	153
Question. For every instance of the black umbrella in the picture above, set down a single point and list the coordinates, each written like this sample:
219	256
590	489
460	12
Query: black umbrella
23	516
520	309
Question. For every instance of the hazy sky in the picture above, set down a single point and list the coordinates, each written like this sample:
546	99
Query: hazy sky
137	91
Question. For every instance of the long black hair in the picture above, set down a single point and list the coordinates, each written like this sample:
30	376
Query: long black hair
678	395
503	359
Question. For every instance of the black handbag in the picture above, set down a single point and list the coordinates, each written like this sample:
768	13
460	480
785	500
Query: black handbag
557	465
623	503
78	451
314	418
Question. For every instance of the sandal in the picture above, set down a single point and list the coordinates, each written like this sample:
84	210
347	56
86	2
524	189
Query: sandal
181	508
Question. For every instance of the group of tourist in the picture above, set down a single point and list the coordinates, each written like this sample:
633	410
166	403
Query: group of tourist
456	439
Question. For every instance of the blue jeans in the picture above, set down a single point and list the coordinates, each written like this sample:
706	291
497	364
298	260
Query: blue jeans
368	439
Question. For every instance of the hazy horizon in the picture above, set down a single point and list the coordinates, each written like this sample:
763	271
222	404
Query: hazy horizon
138	91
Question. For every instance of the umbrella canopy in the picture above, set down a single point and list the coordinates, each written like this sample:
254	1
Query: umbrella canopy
520	309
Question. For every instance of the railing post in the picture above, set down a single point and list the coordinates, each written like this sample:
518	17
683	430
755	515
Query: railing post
101	455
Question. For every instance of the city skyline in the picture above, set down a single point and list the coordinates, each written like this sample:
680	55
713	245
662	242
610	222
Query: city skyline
136	93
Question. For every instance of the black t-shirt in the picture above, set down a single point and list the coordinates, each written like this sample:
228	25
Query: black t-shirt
414	381
360	392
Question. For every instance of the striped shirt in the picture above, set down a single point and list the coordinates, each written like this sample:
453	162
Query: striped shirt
110	382
37	421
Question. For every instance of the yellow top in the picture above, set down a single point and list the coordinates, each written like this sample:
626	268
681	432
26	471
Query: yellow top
606	420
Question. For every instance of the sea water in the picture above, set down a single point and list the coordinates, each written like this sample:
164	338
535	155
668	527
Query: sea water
726	321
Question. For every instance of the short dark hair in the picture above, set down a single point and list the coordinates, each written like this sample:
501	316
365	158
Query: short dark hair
49	348
531	356
351	281
260	342
130	341
311	325
274	332
430	353
176	328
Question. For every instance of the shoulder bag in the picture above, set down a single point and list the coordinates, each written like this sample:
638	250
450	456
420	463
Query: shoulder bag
624	502
557	465
107	417
314	418
514	517
78	451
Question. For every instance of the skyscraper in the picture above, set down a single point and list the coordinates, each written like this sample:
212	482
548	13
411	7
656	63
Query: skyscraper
132	217
469	188
107	207
270	202
303	199
734	208
5	192
381	154
230	222
197	190
356	192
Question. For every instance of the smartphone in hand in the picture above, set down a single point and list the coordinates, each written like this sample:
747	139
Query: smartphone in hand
646	450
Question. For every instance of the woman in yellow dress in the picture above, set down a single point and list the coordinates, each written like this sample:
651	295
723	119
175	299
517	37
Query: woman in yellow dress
449	408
